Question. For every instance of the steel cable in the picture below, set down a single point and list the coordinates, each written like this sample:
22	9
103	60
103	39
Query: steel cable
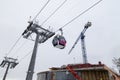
34	19
54	12
79	15
13	46
25	56
41	10
66	23
19	48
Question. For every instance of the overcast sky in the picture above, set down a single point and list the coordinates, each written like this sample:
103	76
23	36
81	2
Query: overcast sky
102	38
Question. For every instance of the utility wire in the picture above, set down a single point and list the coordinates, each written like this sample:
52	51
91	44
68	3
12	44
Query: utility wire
19	48
79	15
41	10
49	17
39	13
14	45
43	22
35	18
54	12
25	56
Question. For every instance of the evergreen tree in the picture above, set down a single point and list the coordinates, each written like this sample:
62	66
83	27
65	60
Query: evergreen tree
116	61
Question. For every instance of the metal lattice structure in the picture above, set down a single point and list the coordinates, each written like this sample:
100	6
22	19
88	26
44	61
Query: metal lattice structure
10	63
35	28
82	37
41	36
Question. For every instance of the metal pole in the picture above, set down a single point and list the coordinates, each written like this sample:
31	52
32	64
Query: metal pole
6	71
84	53
33	58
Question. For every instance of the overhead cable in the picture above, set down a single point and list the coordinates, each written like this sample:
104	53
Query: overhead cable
49	17
19	48
36	17
41	10
80	14
25	56
44	21
14	45
54	12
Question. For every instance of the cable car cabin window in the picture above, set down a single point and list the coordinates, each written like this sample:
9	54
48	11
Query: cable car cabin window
59	42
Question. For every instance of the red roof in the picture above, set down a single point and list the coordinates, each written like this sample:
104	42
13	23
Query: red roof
87	65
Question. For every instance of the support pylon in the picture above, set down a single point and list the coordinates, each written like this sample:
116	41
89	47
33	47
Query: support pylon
10	63
41	36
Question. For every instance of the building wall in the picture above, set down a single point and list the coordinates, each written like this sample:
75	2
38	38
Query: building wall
44	76
94	75
84	74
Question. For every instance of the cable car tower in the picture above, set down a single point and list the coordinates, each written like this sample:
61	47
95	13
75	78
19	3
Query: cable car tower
9	63
82	37
41	36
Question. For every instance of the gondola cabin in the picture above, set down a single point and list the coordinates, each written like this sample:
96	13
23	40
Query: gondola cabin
59	42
